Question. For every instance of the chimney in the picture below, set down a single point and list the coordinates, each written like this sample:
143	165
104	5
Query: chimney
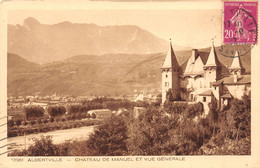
194	54
235	76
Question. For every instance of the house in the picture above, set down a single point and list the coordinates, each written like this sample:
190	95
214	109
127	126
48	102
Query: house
204	79
101	113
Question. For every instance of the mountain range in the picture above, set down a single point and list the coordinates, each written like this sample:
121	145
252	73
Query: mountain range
43	43
109	74
87	59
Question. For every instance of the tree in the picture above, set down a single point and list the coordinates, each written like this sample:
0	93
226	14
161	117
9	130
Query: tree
44	147
171	96
74	109
93	115
149	134
235	122
194	110
176	108
33	111
55	111
109	138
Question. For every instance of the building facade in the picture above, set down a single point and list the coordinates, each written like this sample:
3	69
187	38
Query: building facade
204	81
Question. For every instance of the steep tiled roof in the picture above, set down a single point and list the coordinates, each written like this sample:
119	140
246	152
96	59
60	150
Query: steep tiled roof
194	66
226	95
206	93
224	62
243	79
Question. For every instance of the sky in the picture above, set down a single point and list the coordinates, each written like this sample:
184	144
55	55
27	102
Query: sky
191	28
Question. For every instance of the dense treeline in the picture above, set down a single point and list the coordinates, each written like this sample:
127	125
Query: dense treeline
113	104
78	111
178	129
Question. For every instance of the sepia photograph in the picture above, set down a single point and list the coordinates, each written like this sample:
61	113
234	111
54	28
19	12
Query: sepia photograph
122	82
104	83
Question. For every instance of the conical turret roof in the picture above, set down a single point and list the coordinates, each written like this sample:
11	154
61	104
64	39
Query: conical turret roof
170	60
212	59
236	64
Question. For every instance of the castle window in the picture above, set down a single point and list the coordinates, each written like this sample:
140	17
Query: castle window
215	88
166	84
204	99
166	76
191	97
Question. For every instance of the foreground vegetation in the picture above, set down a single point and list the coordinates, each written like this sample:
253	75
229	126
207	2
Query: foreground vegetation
178	129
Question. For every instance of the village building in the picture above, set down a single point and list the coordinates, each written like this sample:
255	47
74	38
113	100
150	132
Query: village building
101	113
204	79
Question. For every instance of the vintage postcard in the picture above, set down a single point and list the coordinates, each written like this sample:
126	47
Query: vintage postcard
129	84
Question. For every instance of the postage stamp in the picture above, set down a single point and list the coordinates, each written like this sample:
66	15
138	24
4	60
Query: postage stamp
240	22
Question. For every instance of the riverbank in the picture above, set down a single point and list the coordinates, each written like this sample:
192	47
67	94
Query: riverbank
58	136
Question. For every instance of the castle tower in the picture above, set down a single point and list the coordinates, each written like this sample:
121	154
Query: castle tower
170	75
211	68
236	67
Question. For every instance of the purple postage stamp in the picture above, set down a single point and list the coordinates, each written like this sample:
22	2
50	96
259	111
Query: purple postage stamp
240	22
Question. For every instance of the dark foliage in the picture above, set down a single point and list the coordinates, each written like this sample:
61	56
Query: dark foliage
109	138
178	129
55	111
33	111
149	134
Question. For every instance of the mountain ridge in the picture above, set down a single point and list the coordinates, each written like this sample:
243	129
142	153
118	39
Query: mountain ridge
110	74
43	43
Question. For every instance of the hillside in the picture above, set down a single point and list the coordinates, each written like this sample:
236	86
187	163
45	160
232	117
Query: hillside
42	43
109	74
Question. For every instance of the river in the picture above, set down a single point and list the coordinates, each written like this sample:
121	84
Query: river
58	136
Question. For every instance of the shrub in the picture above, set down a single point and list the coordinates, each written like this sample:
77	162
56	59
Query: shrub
63	119
33	111
18	122
64	126
73	117
93	115
88	115
10	123
12	133
51	119
32	122
24	123
79	116
84	115
57	120
39	121
68	117
43	147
